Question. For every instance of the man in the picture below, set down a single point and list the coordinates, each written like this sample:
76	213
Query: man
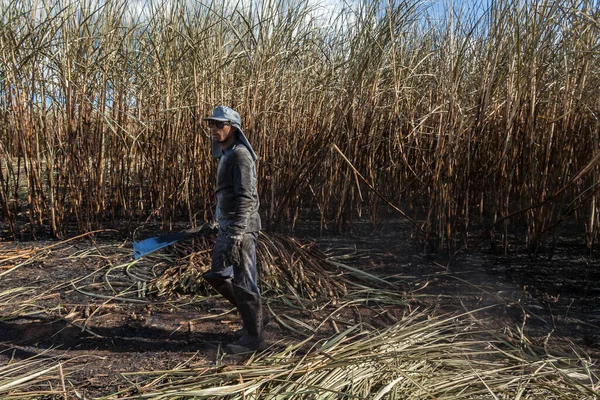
233	269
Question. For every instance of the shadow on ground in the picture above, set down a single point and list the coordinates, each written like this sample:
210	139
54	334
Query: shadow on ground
36	333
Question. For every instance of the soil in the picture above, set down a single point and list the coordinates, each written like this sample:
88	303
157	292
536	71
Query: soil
554	303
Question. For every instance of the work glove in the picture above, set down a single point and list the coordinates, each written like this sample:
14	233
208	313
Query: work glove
233	250
212	226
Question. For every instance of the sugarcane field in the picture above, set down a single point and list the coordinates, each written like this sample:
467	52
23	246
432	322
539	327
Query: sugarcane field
300	199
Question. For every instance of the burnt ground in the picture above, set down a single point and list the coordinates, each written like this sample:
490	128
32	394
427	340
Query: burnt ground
554	303
553	296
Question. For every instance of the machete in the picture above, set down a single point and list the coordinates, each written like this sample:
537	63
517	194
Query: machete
150	245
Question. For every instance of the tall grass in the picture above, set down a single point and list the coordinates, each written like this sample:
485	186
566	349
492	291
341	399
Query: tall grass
459	116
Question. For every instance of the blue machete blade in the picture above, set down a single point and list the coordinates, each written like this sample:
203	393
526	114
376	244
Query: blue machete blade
150	245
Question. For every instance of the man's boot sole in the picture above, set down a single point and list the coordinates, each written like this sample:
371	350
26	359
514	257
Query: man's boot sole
233	348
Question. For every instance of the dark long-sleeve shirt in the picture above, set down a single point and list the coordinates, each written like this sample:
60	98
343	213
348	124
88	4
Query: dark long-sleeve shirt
237	197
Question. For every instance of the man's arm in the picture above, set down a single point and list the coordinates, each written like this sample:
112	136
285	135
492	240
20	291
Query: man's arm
244	186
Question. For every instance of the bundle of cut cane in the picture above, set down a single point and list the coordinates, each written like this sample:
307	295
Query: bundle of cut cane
285	267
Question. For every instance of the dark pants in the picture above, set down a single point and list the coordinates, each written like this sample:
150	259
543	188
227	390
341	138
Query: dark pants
243	275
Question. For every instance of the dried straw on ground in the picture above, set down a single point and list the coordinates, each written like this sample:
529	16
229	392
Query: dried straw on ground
420	356
444	358
285	266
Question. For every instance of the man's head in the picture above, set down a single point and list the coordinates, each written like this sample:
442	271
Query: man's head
225	128
224	124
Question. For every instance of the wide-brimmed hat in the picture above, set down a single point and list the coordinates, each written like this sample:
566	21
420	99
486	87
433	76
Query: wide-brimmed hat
227	114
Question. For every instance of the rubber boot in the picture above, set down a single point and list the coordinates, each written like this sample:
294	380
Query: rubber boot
250	309
225	287
241	332
222	285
